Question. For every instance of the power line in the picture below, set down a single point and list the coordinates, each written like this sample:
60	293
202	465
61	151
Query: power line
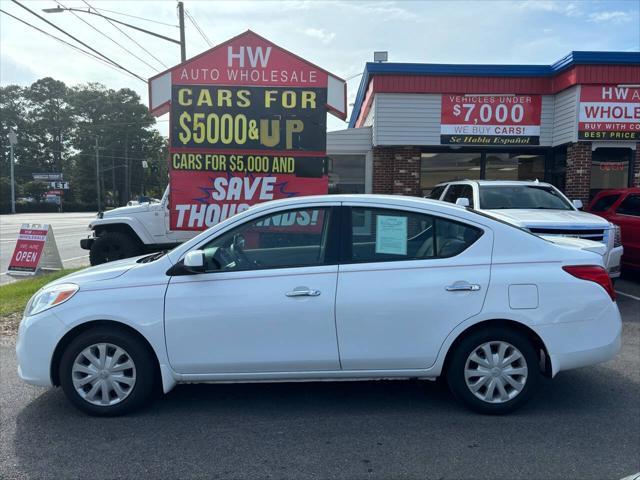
139	18
107	36
89	54
79	41
195	24
126	34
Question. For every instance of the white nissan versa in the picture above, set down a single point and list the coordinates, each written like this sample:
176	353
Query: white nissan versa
327	288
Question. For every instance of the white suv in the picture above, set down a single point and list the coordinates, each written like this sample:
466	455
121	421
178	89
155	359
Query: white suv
538	207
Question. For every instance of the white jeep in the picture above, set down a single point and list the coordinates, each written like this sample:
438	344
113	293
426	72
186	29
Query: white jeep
132	230
539	208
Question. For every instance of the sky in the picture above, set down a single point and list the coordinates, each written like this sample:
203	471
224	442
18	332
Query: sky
339	36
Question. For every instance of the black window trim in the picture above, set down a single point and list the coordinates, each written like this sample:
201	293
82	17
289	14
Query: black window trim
346	252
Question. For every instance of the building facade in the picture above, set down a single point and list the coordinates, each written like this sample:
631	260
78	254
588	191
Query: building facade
575	123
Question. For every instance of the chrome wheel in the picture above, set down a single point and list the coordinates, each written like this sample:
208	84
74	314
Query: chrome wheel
496	372
103	374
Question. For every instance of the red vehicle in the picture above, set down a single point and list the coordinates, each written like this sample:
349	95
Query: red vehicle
621	206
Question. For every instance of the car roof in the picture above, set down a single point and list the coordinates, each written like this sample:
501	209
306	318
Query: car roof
610	191
505	183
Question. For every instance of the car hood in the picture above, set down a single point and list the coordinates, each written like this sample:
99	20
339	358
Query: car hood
125	211
99	273
550	218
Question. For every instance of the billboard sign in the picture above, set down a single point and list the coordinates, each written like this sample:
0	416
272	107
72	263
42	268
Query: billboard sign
490	119
247	125
609	112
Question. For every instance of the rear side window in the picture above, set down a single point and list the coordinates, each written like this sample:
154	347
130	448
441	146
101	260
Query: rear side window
630	206
436	193
604	203
381	235
459	191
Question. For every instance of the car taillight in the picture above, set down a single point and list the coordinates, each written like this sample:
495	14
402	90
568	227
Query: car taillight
592	273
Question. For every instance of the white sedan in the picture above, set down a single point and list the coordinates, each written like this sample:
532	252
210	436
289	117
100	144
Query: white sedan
327	288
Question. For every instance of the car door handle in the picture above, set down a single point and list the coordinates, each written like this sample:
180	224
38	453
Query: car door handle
462	287
303	292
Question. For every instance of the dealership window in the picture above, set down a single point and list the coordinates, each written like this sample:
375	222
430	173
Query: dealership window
610	168
445	167
438	167
347	173
514	166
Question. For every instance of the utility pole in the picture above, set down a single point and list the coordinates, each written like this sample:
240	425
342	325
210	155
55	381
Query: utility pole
13	139
127	192
183	46
98	173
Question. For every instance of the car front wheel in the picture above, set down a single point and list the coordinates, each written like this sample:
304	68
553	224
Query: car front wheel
107	372
494	371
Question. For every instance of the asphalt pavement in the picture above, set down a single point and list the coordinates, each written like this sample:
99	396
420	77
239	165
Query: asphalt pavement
68	229
584	424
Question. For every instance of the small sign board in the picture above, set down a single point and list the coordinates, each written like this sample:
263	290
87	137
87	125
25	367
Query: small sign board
47	176
35	250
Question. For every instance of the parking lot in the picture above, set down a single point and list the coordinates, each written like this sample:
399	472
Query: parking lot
584	424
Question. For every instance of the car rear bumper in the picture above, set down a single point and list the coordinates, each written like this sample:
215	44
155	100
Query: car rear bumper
583	343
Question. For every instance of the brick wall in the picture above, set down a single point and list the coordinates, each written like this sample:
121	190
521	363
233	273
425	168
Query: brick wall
636	172
578	178
396	170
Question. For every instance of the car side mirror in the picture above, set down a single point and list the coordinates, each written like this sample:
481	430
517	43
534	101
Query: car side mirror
578	204
194	261
462	202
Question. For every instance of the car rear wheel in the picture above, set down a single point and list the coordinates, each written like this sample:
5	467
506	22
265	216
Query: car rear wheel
107	372
112	246
494	371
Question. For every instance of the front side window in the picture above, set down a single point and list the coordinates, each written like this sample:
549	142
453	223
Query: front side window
293	238
380	235
521	197
604	203
630	206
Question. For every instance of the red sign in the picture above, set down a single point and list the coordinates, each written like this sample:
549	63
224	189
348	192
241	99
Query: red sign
248	125
490	119
204	199
609	112
28	251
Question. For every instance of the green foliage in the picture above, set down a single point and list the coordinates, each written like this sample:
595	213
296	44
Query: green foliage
14	296
57	128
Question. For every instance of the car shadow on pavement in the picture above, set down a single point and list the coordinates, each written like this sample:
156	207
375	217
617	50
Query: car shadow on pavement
324	429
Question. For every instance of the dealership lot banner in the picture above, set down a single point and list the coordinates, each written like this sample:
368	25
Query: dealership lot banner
609	112
490	119
247	125
35	249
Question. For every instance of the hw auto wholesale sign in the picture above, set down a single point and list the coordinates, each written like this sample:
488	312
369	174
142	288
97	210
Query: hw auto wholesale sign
609	112
490	119
248	125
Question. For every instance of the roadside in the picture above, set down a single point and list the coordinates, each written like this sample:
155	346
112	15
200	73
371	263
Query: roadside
14	297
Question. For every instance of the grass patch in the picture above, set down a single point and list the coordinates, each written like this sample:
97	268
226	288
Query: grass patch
14	296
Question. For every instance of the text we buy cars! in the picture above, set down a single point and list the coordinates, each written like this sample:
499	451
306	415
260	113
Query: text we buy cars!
331	287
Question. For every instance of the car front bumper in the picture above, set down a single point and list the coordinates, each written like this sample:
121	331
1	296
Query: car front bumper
38	336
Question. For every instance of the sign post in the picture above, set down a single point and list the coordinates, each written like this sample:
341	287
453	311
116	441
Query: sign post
35	250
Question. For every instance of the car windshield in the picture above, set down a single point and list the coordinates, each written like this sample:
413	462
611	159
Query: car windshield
493	197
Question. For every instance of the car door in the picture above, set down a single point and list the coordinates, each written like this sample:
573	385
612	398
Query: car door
627	216
407	278
266	301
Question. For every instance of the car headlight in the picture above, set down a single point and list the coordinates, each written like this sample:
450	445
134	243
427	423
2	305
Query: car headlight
617	235
50	297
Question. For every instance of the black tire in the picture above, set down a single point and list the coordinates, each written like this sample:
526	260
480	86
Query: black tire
112	246
146	373
455	373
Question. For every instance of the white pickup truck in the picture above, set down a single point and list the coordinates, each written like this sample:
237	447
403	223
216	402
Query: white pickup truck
541	209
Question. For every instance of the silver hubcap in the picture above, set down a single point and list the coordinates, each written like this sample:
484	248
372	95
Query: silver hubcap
103	374
496	372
